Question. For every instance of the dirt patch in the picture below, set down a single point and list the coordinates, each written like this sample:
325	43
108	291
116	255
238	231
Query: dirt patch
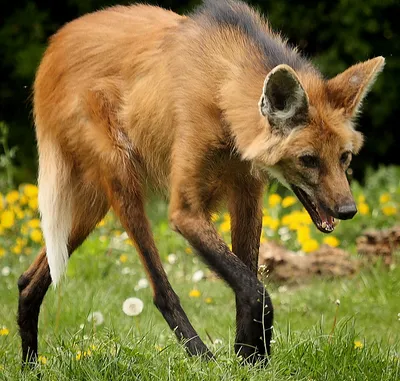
283	265
379	244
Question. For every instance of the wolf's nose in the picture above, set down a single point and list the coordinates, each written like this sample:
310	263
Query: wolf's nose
346	211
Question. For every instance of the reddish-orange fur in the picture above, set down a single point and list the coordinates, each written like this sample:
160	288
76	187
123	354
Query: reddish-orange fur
135	98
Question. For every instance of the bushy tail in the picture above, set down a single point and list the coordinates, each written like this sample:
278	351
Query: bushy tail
55	205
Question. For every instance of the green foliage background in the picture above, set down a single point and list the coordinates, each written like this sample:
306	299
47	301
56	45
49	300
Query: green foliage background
335	34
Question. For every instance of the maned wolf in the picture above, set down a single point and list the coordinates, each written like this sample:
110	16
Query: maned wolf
204	108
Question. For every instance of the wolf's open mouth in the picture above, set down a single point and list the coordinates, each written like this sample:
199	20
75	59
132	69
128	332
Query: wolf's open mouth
322	220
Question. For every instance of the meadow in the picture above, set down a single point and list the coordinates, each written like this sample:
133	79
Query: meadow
90	328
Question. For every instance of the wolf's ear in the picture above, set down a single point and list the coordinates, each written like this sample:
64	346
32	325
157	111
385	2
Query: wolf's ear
348	89
283	101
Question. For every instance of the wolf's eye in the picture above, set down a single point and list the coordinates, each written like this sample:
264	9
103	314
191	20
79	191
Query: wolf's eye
309	161
345	158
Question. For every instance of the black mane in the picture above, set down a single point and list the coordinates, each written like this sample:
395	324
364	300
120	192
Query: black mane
238	15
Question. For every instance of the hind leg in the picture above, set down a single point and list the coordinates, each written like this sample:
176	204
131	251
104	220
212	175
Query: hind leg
34	283
128	204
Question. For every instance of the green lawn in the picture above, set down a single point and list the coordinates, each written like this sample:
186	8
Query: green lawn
105	271
363	346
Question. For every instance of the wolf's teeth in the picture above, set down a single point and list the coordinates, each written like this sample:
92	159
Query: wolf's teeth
324	225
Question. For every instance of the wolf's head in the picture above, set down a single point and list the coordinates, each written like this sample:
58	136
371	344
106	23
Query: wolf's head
312	139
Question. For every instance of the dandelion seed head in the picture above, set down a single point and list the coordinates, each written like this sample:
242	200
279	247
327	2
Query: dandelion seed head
142	283
126	271
132	306
96	318
172	258
198	276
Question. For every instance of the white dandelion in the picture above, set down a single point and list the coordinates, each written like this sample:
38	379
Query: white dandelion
132	306
5	271
142	283
96	318
126	271
172	258
217	342
198	276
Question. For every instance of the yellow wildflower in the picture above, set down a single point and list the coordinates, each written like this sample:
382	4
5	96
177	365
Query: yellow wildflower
24	200
34	224
33	203
363	208
270	222
331	241
389	210
2	252
36	235
358	344
42	360
1	201
214	217
226	224
194	293
28	251
384	198
361	199
7	219
78	355
188	250
309	246
274	199
4	331
12	197
303	234
16	249
19	213
208	300
263	239
31	190
289	201
101	223
296	219
123	258
21	241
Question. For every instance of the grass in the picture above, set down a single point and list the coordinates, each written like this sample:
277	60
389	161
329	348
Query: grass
315	337
105	271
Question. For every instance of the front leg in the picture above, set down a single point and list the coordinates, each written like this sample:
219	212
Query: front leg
256	312
245	207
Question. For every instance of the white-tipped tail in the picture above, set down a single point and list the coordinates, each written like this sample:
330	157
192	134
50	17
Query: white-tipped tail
55	207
